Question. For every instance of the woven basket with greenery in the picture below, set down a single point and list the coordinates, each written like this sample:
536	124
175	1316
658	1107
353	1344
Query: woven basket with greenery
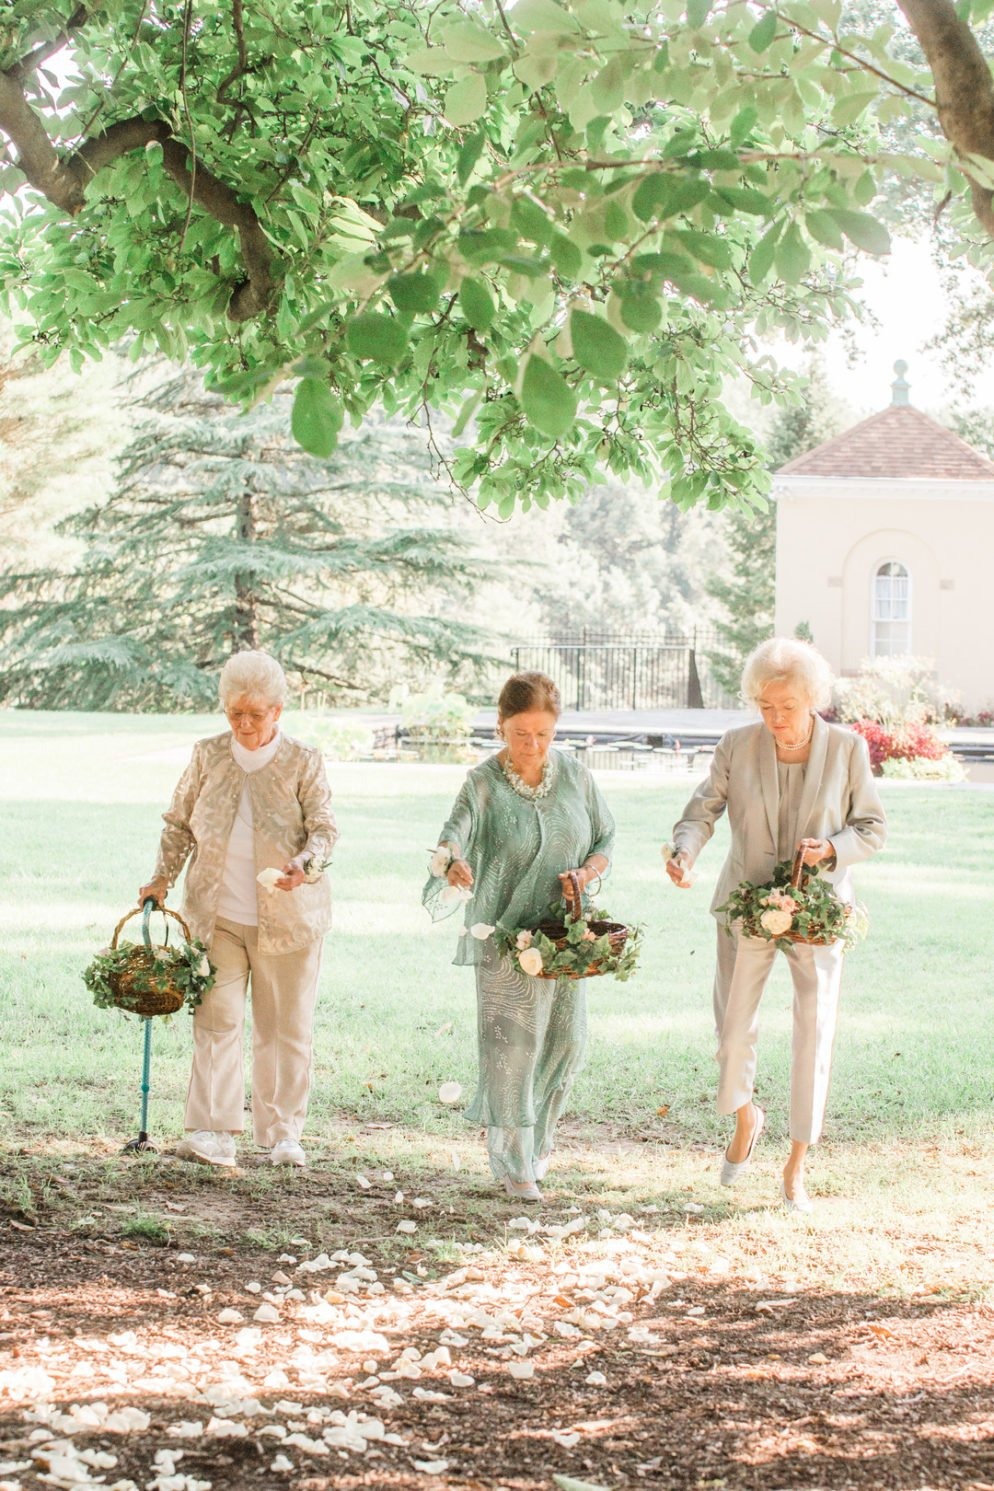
797	905
575	944
150	978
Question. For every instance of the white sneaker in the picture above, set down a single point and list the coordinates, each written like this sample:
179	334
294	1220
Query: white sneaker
287	1152
207	1148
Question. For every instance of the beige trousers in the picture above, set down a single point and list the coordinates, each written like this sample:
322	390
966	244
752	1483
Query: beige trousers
284	991
744	965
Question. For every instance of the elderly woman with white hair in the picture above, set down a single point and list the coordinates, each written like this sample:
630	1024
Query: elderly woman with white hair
251	800
789	782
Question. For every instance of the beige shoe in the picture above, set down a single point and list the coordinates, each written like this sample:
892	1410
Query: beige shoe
522	1190
732	1169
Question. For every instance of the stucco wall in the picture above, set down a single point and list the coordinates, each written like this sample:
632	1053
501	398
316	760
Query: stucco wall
832	535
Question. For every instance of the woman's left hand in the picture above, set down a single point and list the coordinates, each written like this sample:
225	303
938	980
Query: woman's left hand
816	850
293	875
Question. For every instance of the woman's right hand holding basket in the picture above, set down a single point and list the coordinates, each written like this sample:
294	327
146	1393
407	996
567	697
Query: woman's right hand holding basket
155	890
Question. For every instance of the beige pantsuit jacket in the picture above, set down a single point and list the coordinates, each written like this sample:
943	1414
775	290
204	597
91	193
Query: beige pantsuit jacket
839	802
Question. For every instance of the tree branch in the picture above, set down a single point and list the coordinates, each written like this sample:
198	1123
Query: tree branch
64	183
964	88
48	49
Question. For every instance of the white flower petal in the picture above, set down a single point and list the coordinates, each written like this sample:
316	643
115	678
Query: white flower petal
481	931
268	878
450	1092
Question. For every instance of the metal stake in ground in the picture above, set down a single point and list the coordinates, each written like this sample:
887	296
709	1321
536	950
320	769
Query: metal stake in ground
143	1145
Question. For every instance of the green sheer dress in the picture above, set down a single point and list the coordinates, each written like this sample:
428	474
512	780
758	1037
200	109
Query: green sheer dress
531	1032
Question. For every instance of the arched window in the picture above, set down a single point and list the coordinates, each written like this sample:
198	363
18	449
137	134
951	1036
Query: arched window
891	623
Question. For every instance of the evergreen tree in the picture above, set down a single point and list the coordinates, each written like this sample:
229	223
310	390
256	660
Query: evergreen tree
222	534
746	587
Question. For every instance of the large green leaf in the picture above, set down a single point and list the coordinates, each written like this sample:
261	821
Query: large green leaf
597	346
316	418
763	32
376	336
477	304
466	101
862	230
547	399
416	293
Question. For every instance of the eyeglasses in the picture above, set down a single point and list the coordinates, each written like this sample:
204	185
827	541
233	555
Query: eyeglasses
248	716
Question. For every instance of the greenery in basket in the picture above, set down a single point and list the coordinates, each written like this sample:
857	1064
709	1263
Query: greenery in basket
184	966
812	911
535	953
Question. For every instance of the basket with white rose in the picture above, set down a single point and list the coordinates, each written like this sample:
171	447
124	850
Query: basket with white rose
576	942
797	905
150	978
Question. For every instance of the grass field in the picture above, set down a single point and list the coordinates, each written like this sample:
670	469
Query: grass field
910	1112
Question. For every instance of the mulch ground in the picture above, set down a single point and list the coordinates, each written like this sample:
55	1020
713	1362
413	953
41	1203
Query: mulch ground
469	1350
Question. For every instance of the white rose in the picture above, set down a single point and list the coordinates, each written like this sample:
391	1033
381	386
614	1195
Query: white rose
313	870
452	895
268	878
523	940
530	962
440	861
481	931
203	967
776	922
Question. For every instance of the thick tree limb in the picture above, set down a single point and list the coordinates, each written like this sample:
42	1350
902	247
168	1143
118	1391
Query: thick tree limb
64	183
47	49
964	88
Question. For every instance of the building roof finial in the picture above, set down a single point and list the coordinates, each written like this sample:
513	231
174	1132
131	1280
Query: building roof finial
900	386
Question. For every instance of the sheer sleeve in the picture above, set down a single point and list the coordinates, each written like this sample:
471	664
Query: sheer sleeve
458	833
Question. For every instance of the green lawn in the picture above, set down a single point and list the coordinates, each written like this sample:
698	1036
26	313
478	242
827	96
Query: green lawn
79	813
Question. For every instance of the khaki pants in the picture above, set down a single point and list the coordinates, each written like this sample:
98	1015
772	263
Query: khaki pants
744	966
284	991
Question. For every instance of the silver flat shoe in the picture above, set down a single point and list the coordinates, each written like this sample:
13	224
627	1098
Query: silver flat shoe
522	1190
732	1169
800	1201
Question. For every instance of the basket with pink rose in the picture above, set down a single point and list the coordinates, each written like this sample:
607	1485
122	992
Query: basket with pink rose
797	905
575	942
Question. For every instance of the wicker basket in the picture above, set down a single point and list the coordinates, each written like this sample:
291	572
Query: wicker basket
798	875
616	933
136	988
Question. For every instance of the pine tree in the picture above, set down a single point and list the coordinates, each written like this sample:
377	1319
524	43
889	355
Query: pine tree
746	587
222	534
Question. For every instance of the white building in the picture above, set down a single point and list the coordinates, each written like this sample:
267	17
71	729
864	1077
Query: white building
885	544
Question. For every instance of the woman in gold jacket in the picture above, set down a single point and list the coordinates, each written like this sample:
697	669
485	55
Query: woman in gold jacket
251	800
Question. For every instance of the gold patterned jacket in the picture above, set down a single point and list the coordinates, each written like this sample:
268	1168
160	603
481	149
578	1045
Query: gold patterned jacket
291	814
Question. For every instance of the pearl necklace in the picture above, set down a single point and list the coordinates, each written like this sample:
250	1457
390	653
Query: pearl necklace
798	745
518	784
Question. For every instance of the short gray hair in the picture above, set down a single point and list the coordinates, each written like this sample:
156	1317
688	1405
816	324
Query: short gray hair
254	674
786	660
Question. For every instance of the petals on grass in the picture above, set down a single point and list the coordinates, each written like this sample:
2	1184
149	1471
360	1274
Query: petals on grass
450	1092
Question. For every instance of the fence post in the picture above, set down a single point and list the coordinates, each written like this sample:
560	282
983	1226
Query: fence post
695	697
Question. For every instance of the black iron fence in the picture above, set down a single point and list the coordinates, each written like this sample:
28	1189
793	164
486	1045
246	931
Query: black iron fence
627	670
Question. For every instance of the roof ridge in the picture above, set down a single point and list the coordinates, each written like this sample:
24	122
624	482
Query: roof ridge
884	445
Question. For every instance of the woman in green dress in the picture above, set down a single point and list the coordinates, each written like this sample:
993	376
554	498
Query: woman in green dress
525	820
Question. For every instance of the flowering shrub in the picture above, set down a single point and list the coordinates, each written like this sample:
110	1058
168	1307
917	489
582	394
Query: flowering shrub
909	742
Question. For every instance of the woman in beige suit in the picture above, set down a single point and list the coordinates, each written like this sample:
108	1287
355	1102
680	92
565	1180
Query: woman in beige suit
251	800
788	782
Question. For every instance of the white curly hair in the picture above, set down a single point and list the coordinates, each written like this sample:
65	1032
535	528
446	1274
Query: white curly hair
255	675
786	660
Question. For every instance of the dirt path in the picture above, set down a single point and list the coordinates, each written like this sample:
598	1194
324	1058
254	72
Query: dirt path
440	1347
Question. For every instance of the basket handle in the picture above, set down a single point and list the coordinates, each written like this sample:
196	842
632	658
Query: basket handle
798	870
146	909
573	897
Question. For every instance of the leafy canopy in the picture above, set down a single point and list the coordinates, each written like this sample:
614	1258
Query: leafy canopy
561	223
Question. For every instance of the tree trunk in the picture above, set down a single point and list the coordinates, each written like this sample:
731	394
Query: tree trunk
246	630
964	89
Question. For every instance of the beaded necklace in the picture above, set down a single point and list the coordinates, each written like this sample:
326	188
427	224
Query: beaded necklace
521	787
